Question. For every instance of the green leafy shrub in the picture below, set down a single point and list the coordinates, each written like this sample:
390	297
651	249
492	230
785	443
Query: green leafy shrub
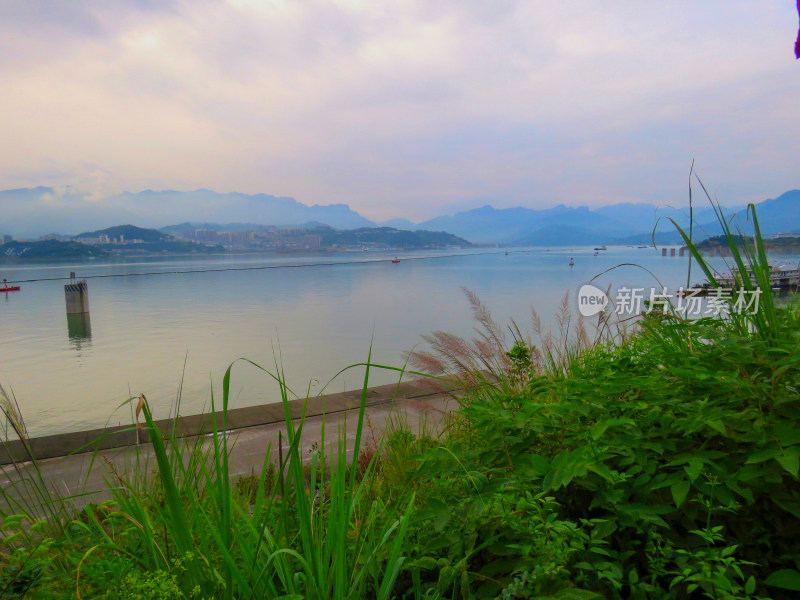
679	460
139	585
247	486
671	453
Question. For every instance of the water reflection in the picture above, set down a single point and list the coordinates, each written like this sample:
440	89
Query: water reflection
316	320
79	329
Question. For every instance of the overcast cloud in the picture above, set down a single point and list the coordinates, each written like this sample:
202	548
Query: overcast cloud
403	108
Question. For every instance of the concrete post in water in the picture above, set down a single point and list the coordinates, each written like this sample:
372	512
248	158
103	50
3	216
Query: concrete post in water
672	251
663	252
682	251
77	296
79	327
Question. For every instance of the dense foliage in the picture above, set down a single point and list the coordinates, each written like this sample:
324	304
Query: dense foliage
665	466
129	232
47	250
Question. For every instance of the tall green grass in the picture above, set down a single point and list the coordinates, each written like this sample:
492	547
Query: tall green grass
320	538
26	490
324	532
750	267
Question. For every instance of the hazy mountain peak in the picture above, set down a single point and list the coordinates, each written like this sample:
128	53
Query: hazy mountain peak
790	196
38	190
38	210
30	212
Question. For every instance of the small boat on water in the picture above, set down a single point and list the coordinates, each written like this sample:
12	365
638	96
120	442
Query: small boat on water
395	260
596	253
7	287
600	248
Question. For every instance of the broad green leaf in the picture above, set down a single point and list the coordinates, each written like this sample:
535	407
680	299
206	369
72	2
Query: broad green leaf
601	470
602	529
442	512
643	512
787	579
788	435
679	491
790	462
538	464
762	455
600	428
790	505
576	594
424	562
693	470
745	493
717	426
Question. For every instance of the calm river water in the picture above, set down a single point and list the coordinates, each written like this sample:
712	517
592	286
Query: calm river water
313	321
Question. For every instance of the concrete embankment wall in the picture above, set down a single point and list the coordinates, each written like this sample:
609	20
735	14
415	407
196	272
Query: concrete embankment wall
53	446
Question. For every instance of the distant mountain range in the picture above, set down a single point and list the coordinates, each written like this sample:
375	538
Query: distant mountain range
181	228
616	224
253	208
31	212
521	226
779	215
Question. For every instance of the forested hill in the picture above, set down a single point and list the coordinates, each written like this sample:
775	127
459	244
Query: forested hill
128	232
48	249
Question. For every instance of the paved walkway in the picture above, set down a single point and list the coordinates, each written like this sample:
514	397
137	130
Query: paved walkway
81	473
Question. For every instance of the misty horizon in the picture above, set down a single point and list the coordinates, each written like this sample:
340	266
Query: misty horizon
31	212
402	109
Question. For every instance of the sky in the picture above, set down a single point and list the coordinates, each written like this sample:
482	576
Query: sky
402	108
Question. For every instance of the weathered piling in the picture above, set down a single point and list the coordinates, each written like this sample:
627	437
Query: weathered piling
76	294
79	327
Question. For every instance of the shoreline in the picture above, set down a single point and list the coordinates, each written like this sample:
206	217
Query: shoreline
113	257
106	438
